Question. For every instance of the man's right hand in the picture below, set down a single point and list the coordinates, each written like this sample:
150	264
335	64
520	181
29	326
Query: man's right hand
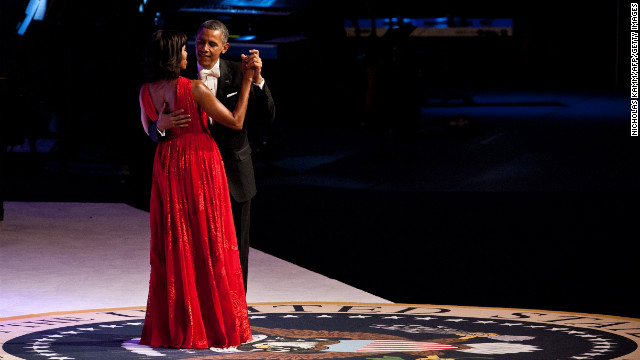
171	120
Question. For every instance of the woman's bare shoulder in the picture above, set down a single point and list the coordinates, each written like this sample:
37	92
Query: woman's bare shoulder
197	85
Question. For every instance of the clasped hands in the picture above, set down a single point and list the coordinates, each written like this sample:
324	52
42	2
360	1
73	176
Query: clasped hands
251	68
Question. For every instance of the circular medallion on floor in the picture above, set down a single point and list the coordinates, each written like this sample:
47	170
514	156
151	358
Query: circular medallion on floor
313	330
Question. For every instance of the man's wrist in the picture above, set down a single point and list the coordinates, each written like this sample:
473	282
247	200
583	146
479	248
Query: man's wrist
260	83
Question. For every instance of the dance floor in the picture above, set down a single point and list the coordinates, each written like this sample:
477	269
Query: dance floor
77	256
74	284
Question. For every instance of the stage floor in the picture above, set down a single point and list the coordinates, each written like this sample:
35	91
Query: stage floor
74	284
78	256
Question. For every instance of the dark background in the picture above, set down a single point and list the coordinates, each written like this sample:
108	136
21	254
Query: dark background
381	196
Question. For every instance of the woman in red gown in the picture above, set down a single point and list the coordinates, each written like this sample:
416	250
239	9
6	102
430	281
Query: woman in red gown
196	293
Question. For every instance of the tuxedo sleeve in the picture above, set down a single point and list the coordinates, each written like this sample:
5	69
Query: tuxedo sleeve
153	132
262	106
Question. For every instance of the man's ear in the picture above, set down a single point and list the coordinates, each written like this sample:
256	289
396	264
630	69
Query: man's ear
225	48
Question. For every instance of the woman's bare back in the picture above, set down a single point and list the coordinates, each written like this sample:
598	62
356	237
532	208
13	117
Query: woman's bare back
163	91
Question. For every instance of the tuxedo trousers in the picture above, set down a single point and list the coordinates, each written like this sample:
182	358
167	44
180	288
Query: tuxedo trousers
242	221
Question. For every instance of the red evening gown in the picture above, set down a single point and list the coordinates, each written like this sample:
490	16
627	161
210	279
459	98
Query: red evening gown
196	294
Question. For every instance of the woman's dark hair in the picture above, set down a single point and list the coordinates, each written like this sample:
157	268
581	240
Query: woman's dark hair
164	54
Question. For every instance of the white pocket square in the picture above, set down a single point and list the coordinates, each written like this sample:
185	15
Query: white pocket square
230	95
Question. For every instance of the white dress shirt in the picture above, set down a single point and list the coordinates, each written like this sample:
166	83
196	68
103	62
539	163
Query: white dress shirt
210	81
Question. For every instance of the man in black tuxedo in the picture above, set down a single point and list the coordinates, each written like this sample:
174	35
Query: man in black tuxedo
224	78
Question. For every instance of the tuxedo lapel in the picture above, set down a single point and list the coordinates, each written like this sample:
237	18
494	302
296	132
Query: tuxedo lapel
225	80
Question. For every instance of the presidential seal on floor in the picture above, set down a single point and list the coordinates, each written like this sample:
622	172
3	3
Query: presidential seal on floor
312	330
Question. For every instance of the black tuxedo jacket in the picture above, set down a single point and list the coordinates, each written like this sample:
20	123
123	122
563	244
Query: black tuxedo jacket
234	144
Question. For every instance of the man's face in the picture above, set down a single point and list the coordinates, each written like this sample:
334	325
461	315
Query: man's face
209	46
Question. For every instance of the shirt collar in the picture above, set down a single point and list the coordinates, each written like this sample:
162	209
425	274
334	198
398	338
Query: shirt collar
217	65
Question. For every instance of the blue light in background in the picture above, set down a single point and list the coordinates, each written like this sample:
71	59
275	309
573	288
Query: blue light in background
42	9
32	7
242	37
395	22
250	3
